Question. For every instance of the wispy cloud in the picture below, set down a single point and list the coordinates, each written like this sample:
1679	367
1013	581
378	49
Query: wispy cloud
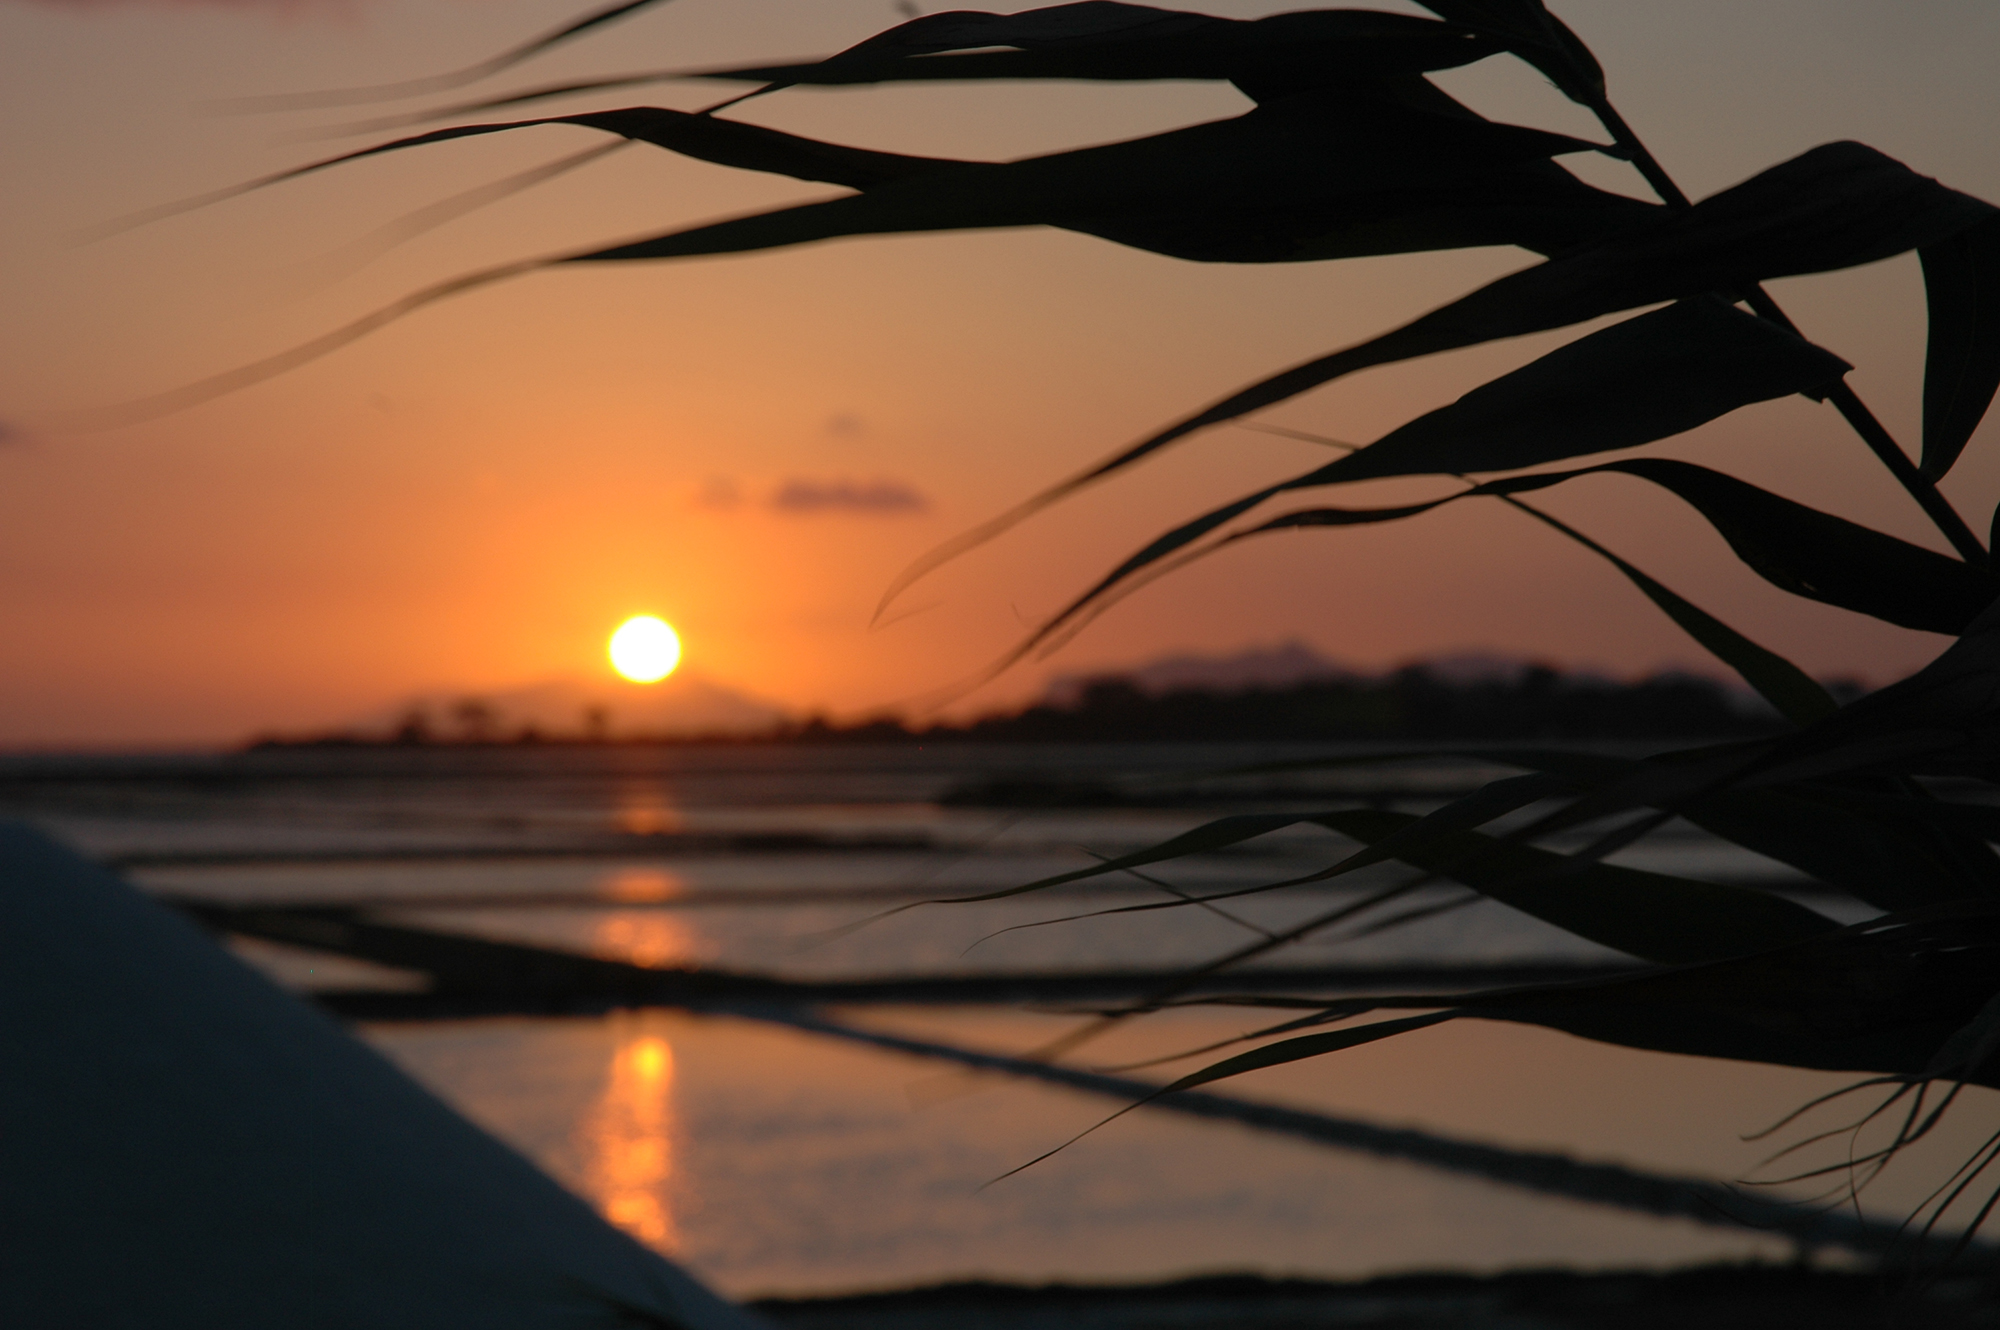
719	494
875	498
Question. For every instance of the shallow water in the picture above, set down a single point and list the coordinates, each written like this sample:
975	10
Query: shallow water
774	1160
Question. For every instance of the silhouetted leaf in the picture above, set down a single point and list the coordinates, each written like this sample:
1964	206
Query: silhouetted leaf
1302	1047
1633	383
1942	720
1962	368
1649	915
1791	691
1971	1046
1892	850
1826	558
1211	192
1880	997
1490	801
1315	176
1267	57
1794	547
725	142
438	82
1528	30
1247	190
1885	852
1361	53
1207	838
754	148
1799	549
1837	206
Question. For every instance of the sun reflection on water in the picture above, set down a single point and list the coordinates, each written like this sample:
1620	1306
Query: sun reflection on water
642	885
644	937
646	810
627	1140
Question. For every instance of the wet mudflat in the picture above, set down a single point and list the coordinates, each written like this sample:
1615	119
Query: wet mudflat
776	1160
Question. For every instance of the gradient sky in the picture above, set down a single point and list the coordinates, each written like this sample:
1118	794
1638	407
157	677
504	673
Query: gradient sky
752	447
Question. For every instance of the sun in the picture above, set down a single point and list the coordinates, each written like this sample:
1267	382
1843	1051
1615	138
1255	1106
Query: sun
645	649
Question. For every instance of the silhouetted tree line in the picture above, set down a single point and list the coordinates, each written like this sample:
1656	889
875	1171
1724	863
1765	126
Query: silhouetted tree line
1415	702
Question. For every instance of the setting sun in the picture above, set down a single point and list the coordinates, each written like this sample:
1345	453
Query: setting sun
645	649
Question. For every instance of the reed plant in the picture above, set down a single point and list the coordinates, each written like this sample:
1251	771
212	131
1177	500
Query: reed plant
1887	803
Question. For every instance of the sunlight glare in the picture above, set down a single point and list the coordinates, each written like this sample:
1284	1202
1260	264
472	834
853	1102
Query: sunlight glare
645	649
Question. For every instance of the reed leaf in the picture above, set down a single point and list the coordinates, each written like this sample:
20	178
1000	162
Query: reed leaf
1837	206
1494	800
1302	1047
505	60
1528	30
1271	56
1792	546
1881	997
1962	366
1891	851
1636	382
1889	997
1797	548
1649	915
1393	180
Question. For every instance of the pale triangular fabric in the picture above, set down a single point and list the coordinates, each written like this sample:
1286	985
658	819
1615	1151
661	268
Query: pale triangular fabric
185	1146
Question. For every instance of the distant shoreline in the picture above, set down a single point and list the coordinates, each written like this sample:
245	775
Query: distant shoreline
1416	703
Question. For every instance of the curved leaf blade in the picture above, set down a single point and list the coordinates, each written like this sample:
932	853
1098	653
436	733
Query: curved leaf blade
1277	54
1182	192
1794	693
1942	720
507	59
1493	800
1536	36
1882	997
1634	383
1794	547
1924	980
1837	206
1302	1047
1649	915
1882	851
1823	557
1962	361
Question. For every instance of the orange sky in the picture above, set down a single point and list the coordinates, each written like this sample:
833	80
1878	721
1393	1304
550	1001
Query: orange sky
475	497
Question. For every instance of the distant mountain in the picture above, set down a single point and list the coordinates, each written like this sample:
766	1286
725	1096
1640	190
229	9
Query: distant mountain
1283	666
681	704
1468	669
1287	666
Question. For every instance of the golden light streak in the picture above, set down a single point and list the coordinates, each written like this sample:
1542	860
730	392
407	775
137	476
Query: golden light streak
649	938
628	1142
